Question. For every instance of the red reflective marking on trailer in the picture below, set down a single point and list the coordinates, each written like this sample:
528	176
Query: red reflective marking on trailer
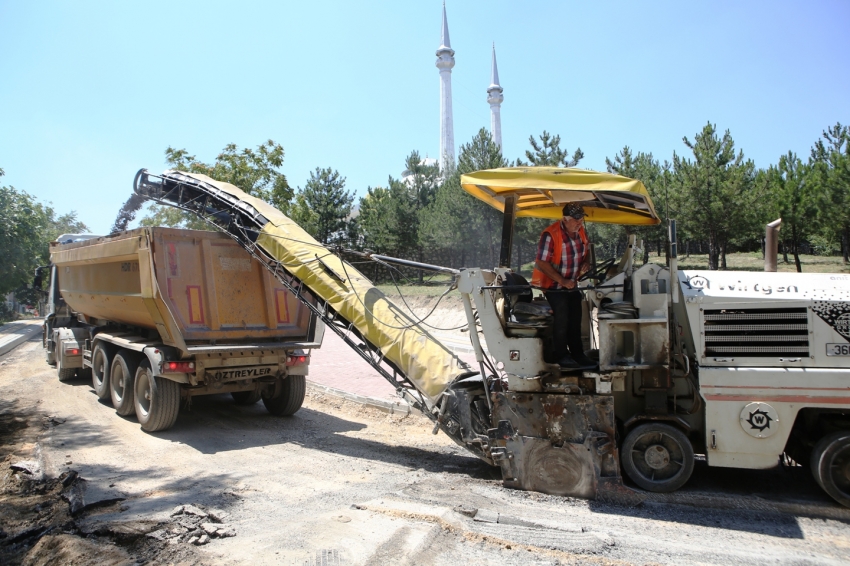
196	304
281	308
171	252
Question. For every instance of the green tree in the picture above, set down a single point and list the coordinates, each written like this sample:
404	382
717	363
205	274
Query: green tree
26	229
459	223
544	153
23	240
257	172
830	171
377	222
646	169
391	218
323	206
793	200
547	152
713	193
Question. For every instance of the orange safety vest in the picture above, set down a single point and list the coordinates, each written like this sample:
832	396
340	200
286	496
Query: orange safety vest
540	279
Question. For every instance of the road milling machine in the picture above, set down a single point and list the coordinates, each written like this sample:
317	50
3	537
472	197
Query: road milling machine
742	367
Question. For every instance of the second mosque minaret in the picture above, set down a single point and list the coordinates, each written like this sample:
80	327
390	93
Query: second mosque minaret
495	98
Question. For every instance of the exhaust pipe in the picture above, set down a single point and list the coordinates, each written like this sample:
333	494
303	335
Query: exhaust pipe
771	244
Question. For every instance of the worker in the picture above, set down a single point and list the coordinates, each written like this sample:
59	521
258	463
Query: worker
562	257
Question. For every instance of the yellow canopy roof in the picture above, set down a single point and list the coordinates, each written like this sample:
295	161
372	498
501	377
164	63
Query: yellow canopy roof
542	192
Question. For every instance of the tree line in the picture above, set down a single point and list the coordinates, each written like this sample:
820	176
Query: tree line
720	199
26	228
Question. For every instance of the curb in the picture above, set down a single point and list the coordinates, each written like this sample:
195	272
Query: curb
20	339
392	407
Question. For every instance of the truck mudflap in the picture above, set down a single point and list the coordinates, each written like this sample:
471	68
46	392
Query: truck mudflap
571	451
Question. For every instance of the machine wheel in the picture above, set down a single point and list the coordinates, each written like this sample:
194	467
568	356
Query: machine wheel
831	465
291	391
156	399
246	397
121	377
657	457
100	362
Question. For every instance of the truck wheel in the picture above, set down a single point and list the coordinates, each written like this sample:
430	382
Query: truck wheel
831	465
657	457
290	397
100	362
121	374
156	399
46	342
246	397
65	374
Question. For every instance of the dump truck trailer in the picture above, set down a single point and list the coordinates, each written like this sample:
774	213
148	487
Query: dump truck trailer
743	368
157	316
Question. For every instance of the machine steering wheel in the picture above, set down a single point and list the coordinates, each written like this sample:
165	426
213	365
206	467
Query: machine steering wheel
598	273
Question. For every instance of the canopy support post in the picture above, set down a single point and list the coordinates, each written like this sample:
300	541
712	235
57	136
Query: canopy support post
508	222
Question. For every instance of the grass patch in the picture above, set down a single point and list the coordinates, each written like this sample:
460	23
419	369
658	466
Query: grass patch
741	261
753	261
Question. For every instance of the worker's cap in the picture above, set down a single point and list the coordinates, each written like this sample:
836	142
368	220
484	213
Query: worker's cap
574	209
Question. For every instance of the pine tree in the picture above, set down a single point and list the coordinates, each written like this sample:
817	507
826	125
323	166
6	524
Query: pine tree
830	159
791	191
323	206
712	194
548	153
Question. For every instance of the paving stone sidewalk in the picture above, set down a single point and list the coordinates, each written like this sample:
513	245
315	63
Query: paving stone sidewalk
335	365
15	333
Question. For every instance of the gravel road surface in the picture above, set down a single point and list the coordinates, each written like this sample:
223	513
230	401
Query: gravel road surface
342	484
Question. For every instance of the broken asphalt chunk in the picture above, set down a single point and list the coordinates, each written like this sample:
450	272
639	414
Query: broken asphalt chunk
192	510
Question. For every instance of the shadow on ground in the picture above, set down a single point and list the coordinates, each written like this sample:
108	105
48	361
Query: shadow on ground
215	424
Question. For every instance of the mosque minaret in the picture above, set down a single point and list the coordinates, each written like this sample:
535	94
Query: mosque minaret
495	98
445	62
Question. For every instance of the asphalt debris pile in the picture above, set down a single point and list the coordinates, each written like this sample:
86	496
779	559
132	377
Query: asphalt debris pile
192	524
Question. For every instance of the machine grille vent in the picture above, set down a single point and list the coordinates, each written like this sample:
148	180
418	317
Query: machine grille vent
757	332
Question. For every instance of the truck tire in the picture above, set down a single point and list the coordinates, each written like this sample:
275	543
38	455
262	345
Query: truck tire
290	397
657	457
246	397
65	374
156	399
831	465
45	340
121	376
101	359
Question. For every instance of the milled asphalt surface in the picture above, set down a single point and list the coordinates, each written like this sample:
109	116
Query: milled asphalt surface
352	485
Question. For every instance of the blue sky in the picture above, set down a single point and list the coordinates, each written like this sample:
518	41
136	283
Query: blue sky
93	91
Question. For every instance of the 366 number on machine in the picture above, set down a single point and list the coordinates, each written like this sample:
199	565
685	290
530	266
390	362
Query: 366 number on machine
838	349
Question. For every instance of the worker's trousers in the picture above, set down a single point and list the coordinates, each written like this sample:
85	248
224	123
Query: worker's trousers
566	328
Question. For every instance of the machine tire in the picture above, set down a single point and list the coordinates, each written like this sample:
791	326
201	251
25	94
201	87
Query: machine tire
122	374
831	465
101	359
657	457
246	397
290	397
156	399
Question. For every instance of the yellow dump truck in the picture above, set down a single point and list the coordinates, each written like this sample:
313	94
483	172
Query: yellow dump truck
156	316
